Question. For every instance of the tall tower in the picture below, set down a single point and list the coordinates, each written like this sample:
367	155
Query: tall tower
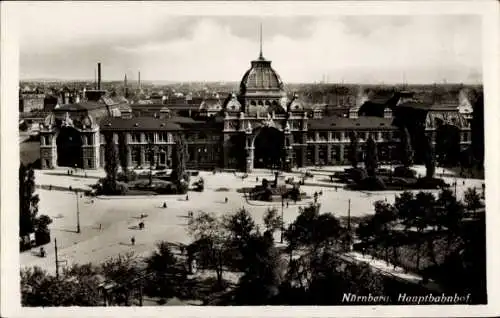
125	84
99	76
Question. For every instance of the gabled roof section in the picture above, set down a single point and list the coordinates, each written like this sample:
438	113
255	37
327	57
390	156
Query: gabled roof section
363	122
138	124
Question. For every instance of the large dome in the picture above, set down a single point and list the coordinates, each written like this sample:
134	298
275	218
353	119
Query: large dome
261	77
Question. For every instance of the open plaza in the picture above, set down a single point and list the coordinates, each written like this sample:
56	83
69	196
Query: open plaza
109	223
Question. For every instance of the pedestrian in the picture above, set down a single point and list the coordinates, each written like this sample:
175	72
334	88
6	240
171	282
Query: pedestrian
256	179
463	182
70	188
68	172
321	192
132	240
50	187
187	197
92	201
287	204
100	226
225	200
85	175
42	252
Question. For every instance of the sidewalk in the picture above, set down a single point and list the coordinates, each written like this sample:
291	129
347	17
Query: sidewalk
397	271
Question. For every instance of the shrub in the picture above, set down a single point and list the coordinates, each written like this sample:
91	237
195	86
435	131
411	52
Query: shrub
127	176
430	183
166	188
42	237
182	188
403	172
107	188
294	194
357	174
371	184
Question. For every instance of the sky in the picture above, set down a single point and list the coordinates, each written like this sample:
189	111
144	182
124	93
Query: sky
65	41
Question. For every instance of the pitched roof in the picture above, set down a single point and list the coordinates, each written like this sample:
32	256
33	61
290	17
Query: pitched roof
148	123
138	123
363	122
81	106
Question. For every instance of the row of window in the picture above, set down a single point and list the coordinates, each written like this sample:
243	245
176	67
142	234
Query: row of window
362	135
337	154
141	157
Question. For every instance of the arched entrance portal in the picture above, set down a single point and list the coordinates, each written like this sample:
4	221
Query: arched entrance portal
269	148
69	148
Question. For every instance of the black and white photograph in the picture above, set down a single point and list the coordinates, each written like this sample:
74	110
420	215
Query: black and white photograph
207	154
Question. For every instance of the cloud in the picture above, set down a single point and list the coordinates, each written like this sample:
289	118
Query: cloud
66	41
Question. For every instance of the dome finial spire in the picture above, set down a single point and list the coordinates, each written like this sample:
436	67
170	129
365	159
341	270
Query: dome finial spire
260	54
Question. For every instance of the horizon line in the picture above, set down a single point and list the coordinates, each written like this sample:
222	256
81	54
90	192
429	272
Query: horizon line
344	82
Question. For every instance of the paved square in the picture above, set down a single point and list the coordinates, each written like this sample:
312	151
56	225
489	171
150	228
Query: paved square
108	224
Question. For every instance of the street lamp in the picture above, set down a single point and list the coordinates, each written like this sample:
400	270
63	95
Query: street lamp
77	213
455	187
282	219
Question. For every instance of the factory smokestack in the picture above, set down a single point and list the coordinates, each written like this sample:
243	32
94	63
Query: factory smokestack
99	76
139	80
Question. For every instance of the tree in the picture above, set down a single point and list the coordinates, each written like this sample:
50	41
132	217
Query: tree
371	158
76	286
263	272
211	241
472	200
404	205
428	155
424	214
27	202
477	128
240	225
179	157
353	149
165	274
111	162
323	278
29	221
272	220
313	230
123	152
383	220
452	213
121	271
407	151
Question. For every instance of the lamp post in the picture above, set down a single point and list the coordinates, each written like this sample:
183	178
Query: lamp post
282	219
455	184
77	213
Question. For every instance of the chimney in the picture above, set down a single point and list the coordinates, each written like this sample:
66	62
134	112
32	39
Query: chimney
139	80
126	86
99	76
